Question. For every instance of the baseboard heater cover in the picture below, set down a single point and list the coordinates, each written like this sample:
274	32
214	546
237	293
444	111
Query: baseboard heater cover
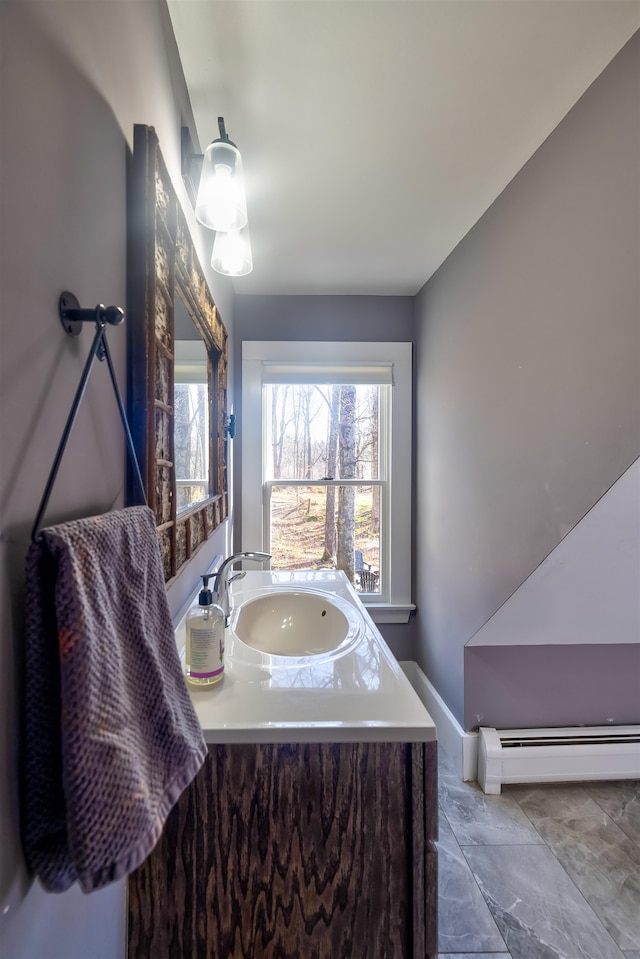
570	754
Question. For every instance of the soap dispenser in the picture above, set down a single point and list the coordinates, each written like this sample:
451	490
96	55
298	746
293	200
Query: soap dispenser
205	626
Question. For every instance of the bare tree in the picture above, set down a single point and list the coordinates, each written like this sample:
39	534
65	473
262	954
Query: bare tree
182	430
306	406
332	456
375	504
345	556
191	443
278	427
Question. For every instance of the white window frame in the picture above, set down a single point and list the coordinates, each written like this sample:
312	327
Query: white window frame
394	604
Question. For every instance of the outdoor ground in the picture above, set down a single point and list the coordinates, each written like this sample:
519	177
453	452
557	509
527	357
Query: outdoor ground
298	520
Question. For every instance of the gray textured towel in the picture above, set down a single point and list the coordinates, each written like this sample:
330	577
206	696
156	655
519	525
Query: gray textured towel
111	737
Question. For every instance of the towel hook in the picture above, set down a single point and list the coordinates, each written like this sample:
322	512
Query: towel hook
72	318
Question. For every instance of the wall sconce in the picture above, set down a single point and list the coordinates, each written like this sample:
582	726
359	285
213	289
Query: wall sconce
220	202
232	253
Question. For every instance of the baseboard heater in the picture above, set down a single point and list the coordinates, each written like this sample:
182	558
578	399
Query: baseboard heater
574	754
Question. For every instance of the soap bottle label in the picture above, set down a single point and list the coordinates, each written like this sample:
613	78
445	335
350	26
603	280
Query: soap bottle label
207	650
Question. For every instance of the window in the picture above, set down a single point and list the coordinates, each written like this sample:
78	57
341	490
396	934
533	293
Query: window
326	478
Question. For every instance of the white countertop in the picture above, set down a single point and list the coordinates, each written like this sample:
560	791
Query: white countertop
359	694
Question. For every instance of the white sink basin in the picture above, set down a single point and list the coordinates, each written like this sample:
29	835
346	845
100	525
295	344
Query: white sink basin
299	623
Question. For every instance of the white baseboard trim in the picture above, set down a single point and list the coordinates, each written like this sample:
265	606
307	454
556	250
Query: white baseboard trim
460	746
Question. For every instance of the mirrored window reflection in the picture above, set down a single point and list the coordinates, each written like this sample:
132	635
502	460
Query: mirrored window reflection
191	423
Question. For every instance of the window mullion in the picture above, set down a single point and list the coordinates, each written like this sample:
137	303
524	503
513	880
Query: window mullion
335	482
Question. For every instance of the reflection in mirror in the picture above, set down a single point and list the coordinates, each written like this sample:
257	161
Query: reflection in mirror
191	423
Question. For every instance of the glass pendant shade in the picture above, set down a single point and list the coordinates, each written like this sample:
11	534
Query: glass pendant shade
232	253
221	204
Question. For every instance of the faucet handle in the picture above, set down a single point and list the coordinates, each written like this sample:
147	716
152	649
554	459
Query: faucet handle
221	576
245	554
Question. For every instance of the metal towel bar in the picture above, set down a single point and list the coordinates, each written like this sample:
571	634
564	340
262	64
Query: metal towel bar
72	318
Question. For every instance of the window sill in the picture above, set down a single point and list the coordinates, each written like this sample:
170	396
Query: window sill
389	613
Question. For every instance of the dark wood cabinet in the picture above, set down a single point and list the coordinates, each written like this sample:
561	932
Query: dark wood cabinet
305	851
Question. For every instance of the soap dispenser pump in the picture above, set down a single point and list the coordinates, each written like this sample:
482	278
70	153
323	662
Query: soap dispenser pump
205	626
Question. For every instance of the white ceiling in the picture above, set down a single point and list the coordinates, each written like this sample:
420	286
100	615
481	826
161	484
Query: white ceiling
375	133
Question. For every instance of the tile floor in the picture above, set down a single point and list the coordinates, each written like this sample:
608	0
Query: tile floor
540	872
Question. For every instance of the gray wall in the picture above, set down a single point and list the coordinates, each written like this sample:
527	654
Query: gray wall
528	371
348	318
334	318
577	623
74	79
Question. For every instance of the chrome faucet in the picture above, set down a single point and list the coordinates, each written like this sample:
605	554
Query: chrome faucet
222	579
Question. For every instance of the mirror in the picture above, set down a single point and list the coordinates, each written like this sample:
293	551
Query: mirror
177	365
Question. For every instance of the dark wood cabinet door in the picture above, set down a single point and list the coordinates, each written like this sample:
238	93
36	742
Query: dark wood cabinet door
314	851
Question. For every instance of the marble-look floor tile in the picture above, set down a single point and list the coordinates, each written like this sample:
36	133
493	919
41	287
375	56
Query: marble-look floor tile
538	909
483	820
445	763
634	954
602	861
621	801
464	921
474	955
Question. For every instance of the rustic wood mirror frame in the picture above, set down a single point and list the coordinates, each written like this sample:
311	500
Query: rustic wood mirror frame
162	264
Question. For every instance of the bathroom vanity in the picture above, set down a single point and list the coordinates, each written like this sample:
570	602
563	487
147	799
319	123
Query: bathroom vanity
310	830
